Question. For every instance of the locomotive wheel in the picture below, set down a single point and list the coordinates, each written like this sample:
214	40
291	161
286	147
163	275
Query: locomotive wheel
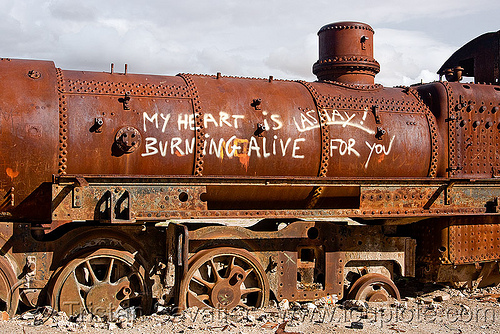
9	296
100	282
374	288
225	278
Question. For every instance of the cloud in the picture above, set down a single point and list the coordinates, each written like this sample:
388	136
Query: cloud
257	38
408	55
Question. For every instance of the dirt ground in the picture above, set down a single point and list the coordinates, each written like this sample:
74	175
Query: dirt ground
425	309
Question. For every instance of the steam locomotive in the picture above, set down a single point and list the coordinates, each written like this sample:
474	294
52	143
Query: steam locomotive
124	190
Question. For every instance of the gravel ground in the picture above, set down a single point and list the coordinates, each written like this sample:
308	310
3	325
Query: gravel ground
429	309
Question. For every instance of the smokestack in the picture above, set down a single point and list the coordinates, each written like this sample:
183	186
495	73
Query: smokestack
346	54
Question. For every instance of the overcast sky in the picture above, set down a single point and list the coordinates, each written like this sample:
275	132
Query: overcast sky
244	38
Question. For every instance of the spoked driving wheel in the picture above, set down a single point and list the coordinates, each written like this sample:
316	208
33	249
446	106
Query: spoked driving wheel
9	294
100	283
374	287
225	278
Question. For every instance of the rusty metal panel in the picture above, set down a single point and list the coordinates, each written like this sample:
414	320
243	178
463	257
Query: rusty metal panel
479	58
122	203
377	136
259	124
470	243
393	200
473	122
130	124
28	132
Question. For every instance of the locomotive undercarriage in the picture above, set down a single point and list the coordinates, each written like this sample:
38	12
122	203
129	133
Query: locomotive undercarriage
117	255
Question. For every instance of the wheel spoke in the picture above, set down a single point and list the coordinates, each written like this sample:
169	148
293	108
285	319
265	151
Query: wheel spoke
197	300
83	287
246	291
214	269
91	272
122	282
110	270
230	267
247	272
203	282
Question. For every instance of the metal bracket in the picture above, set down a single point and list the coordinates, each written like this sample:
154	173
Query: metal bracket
496	171
77	197
177	242
257	104
376	114
77	191
126	101
447	193
446	188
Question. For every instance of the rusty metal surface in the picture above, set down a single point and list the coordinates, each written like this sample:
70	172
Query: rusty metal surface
374	288
307	260
474	240
28	136
101	282
346	53
391	201
224	278
479	58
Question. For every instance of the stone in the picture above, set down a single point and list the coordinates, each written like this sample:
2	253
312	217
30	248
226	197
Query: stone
284	305
442	297
356	325
310	306
356	305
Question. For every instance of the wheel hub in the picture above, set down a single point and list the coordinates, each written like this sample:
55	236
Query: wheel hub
225	296
106	297
226	293
378	296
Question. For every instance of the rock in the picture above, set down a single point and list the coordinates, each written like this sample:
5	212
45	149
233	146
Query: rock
310	306
327	300
356	325
250	318
125	324
427	301
433	306
356	305
400	305
442	297
161	309
284	305
112	326
62	315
